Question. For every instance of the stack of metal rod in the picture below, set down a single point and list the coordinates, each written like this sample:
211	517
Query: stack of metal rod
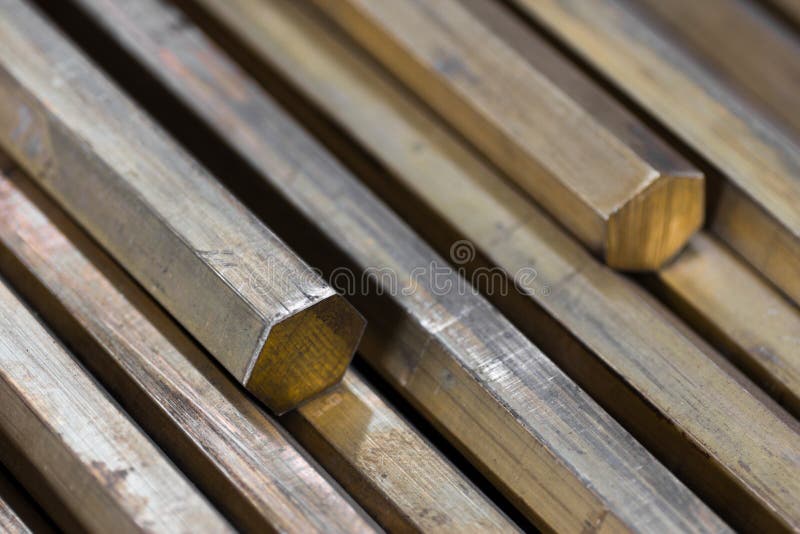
558	239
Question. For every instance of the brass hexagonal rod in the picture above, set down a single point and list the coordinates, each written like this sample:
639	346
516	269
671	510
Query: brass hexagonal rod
226	277
743	44
234	452
626	206
455	357
605	332
756	209
387	466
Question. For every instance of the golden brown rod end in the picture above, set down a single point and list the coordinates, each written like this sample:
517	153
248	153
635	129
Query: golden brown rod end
306	354
654	225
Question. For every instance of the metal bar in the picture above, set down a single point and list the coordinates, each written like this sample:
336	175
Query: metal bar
598	326
742	43
755	211
740	312
387	466
268	318
454	357
634	209
233	451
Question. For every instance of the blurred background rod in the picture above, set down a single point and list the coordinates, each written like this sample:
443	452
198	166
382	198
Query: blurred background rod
754	207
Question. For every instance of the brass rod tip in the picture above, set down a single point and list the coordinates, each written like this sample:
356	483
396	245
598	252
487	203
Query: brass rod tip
654	225
306	354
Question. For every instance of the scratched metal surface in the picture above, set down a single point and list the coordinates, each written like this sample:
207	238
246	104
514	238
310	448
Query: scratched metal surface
10	522
231	449
754	326
225	276
383	462
12	500
597	325
576	84
537	435
95	460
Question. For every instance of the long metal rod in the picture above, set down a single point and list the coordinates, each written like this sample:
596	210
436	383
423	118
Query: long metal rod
454	356
634	208
404	482
741	313
268	318
234	452
755	211
603	330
